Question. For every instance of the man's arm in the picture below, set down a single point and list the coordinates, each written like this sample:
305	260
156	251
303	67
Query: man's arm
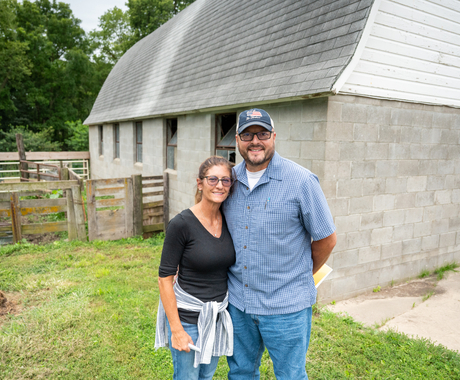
321	250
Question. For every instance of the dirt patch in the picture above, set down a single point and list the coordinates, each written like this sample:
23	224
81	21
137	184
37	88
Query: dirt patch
414	288
9	305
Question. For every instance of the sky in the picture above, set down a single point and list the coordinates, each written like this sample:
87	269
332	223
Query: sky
89	11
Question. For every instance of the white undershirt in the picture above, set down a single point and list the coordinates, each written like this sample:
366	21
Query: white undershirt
253	177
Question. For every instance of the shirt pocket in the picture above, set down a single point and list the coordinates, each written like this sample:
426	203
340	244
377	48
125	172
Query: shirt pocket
281	217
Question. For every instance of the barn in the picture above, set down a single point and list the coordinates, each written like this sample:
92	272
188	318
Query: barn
364	93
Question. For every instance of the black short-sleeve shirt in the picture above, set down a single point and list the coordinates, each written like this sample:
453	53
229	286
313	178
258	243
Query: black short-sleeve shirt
203	259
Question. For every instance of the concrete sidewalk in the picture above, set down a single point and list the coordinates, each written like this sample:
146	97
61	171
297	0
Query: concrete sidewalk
402	308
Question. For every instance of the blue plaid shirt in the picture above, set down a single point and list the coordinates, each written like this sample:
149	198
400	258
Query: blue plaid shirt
272	227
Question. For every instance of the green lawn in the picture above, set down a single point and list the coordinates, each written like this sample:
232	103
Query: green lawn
88	312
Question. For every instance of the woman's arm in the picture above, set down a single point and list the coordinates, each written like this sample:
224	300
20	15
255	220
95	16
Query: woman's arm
179	338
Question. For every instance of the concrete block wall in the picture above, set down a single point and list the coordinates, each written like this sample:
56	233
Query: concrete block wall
106	166
392	180
195	140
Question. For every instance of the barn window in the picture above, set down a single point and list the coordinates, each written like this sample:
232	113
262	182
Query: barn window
171	144
138	131
116	140
101	140
225	136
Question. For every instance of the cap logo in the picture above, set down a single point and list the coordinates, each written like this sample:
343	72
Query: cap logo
253	114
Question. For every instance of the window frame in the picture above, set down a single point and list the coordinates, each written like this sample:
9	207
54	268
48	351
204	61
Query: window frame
101	139
171	132
218	138
116	141
138	145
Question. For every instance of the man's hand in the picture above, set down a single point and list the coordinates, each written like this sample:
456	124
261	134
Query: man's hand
321	250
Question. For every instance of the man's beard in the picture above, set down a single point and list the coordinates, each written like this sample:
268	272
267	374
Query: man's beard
268	155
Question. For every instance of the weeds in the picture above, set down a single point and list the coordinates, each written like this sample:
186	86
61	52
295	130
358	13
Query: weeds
446	268
377	289
426	296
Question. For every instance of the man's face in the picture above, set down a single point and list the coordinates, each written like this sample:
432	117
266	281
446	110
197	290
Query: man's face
257	153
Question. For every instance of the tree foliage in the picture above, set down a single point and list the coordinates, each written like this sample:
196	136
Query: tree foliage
51	70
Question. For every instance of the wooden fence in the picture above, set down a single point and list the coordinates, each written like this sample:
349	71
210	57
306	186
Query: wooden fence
12	209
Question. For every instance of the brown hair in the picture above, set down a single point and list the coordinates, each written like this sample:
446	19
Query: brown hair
208	164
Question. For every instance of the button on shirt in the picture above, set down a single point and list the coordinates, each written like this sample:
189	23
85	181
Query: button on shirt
272	227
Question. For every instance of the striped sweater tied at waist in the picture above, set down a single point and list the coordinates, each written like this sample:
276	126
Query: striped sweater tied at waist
215	337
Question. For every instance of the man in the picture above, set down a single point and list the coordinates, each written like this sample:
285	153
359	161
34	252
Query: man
276	210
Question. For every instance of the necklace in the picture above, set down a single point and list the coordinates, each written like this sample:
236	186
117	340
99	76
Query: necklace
210	224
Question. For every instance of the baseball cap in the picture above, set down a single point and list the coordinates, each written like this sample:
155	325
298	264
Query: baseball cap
254	116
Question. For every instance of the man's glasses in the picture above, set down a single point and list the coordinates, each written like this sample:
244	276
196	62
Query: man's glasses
213	181
249	136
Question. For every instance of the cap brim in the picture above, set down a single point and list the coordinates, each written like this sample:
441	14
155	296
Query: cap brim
260	123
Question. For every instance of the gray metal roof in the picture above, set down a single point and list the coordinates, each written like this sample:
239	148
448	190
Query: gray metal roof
219	53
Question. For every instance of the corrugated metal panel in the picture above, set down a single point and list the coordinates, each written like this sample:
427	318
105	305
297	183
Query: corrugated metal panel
413	53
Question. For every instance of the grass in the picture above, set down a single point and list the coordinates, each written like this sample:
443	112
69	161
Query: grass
88	312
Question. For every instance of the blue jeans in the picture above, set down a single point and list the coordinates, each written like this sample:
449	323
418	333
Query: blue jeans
286	337
183	361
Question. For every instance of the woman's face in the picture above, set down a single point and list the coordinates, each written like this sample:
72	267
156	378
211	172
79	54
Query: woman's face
214	193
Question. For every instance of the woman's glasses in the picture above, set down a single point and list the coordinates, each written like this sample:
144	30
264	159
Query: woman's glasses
213	180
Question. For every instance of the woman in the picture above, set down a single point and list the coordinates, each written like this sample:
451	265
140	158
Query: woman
198	327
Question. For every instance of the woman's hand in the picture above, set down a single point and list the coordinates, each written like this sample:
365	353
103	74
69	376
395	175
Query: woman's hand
180	341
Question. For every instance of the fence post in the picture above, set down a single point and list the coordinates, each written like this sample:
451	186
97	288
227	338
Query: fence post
22	156
64	174
129	221
79	213
91	202
165	200
15	217
71	223
137	204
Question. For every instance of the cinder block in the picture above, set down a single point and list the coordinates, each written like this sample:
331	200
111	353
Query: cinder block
361	205
382	235
411	246
391	250
314	150
342	243
395	185
386	169
417	183
379	116
338	207
373	186
300	132
319	131
398	151
420	152
354	113
450	211
440	226
408	168
344	285
401	117
353	151
422	119
454	152
439	152
365	132
358	239
456	196
390	134
332	151
329	188
384	202
346	258
454	223
347	223
431	136
449	137
405	201
403	232
363	170
447	239
424	199
377	151
411	135
349	188
431	213
368	254
430	242
428	167
422	229
393	217
314	110
413	215
446	167
372	220
443	120
334	110
344	170
339	131
442	197
435	183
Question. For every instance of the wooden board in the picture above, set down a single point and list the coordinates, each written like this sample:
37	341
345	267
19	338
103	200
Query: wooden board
110	191
153	227
22	186
109	219
153	204
152	194
152	178
37	156
109	202
41	228
153	184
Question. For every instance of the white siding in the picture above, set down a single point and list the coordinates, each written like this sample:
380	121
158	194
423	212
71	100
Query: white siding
412	53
